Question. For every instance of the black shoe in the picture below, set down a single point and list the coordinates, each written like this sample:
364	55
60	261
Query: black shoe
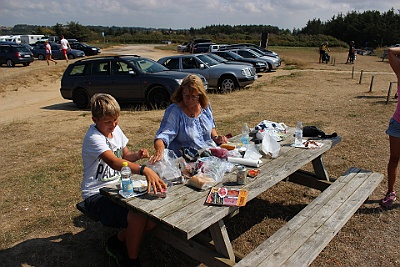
117	249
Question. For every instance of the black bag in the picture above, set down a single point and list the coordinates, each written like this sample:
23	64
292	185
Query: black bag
312	131
189	154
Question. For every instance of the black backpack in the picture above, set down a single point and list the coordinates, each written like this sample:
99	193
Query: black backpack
312	131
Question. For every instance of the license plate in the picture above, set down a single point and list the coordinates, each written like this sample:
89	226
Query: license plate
27	56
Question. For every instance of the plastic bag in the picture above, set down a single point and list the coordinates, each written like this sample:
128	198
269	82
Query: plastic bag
201	181
270	146
221	153
168	167
215	168
278	130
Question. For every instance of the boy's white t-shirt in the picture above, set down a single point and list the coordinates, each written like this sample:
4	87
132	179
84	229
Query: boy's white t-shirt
96	173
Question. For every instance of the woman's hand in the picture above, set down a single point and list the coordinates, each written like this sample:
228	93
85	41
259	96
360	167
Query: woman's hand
157	156
220	139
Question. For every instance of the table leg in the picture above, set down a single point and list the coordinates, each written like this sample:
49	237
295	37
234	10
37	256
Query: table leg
319	169
221	240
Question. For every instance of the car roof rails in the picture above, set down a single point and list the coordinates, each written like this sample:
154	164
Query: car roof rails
106	57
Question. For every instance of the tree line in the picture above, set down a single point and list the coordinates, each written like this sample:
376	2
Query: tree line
368	29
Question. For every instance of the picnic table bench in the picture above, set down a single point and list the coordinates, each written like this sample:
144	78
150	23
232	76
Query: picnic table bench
300	241
297	243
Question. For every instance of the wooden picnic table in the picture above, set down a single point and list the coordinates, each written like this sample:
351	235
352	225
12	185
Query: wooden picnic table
182	216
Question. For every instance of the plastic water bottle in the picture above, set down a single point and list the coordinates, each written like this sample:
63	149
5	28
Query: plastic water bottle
298	134
126	174
245	134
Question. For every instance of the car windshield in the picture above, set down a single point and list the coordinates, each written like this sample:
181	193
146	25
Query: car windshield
234	55
255	53
147	65
207	60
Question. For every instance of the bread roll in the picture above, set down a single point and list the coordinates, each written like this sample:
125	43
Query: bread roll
228	147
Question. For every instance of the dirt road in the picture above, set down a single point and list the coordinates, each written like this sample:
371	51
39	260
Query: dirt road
27	92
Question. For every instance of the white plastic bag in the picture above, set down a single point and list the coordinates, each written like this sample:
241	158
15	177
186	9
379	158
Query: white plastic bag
168	167
270	146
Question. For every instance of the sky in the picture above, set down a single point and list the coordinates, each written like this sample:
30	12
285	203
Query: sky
182	14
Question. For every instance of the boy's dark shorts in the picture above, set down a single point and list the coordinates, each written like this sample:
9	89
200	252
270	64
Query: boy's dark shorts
110	214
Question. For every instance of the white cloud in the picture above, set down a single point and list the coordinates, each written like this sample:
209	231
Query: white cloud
179	14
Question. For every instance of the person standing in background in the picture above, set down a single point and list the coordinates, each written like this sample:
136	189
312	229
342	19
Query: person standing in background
322	50
352	53
64	47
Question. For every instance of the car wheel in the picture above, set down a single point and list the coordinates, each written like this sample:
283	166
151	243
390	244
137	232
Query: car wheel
269	67
10	63
41	57
70	56
158	97
26	64
81	99
227	84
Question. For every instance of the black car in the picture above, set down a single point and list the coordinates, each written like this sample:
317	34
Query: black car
88	49
259	65
11	54
39	51
129	78
201	47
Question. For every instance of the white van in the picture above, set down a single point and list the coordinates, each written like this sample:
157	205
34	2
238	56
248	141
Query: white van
31	39
14	38
216	47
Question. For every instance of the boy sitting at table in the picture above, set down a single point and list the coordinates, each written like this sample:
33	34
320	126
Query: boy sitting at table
103	152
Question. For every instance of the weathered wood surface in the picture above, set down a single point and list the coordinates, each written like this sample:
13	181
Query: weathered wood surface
300	241
183	214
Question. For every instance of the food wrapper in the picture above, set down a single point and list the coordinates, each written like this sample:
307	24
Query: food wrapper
201	181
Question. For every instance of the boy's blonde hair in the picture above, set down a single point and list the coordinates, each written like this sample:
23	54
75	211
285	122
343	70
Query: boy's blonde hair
103	105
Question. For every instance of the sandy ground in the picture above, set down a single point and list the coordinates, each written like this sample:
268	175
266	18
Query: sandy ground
40	91
30	100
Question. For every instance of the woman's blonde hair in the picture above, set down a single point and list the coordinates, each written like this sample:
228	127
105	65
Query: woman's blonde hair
103	105
193	84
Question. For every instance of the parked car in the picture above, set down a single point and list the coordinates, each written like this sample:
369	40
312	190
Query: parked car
225	61
183	47
246	45
87	49
224	77
11	54
201	48
216	47
39	51
259	64
273	63
130	79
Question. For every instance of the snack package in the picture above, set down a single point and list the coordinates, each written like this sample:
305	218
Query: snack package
201	181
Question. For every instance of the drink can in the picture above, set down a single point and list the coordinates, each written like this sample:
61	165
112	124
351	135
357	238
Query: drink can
241	175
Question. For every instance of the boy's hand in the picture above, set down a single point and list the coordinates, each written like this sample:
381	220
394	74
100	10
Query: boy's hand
143	153
153	181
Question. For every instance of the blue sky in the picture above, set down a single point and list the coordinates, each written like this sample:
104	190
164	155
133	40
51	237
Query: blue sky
181	14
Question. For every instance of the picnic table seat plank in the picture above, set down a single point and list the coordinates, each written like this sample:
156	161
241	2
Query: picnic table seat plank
300	241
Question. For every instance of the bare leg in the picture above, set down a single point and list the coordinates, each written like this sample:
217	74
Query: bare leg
393	162
133	234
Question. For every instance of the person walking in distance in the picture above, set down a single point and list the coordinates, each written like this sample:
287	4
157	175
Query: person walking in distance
394	134
64	47
48	53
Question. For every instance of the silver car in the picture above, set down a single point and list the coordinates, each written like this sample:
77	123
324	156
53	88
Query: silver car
223	77
273	63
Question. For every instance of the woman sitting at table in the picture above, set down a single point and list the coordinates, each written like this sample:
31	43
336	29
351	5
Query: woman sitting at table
188	121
